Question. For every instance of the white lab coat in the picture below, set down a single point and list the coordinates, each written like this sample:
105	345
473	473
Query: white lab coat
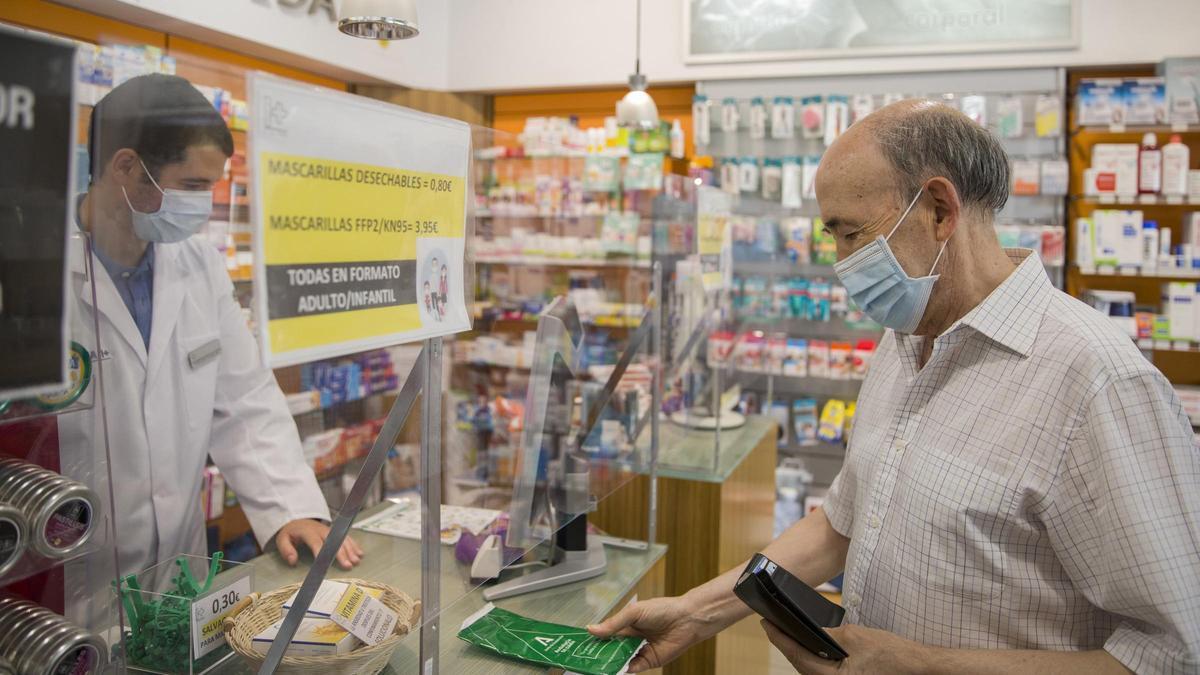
165	416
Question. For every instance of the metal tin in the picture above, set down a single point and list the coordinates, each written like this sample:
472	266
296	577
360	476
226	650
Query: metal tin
13	534
36	641
60	512
79	375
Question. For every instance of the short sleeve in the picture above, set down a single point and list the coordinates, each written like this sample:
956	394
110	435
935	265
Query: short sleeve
839	501
1124	520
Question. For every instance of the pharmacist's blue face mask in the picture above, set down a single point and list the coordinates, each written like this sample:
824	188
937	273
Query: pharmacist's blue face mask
878	284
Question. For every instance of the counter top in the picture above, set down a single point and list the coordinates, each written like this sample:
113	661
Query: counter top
688	454
398	562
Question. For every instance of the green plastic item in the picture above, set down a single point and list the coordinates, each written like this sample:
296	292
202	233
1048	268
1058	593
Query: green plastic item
159	635
548	644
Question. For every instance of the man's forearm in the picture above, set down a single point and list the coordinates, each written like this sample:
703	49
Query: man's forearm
811	550
999	661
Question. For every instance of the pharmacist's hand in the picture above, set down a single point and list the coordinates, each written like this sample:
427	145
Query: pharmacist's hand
871	651
668	625
312	533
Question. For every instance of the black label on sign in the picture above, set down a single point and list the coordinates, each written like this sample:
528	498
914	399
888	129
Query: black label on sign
326	288
37	136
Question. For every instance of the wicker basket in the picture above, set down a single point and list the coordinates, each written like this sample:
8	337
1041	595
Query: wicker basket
261	611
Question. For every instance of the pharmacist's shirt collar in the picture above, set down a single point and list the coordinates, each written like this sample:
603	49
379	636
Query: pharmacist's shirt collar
1012	314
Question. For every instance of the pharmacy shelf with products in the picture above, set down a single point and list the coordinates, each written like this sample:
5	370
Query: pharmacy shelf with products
1135	206
794	342
561	211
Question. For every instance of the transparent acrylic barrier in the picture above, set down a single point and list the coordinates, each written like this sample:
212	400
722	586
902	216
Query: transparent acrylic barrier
176	612
55	504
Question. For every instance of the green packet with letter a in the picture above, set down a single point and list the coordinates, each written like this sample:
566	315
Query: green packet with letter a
548	644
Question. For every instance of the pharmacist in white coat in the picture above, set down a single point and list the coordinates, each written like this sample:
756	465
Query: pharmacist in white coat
182	374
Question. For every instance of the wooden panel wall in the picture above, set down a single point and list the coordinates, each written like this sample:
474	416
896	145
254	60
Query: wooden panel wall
473	109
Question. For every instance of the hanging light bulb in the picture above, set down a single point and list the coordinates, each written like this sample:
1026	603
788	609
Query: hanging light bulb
637	108
379	19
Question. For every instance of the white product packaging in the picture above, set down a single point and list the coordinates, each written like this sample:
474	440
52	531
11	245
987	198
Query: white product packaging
1099	101
1175	159
1010	122
1145	100
1118	238
1121	159
1085	242
783	117
729	175
1048	116
837	118
1026	176
1054	177
1150	161
975	107
1179	304
748	174
700	120
812	117
861	105
326	600
730	115
1149	246
758	118
1164	248
810	177
314	637
793	185
1193	190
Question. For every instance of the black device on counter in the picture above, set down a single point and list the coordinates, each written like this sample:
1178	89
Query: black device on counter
792	605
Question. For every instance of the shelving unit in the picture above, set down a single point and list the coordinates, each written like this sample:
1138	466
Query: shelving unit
1181	365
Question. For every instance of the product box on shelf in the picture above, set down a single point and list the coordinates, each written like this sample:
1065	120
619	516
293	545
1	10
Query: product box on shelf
1118	159
1182	77
1099	101
1145	100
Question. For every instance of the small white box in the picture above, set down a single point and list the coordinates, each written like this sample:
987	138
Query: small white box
326	599
1179	305
1120	159
314	637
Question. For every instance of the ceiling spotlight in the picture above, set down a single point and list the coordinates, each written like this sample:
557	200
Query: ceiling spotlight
637	108
379	19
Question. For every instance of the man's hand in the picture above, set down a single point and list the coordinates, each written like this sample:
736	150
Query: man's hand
312	533
669	626
870	650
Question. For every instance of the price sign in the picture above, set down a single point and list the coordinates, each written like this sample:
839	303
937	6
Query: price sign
208	613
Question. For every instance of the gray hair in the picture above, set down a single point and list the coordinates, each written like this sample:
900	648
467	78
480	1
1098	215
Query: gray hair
935	140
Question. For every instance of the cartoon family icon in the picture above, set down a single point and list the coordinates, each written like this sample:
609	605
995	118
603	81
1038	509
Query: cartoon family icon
436	298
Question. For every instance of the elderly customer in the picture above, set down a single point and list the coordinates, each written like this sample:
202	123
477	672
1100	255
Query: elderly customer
1022	491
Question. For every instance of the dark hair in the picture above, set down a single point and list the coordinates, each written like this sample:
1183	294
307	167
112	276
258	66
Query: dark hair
157	116
936	140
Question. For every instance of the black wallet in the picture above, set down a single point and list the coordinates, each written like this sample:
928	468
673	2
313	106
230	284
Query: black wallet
792	605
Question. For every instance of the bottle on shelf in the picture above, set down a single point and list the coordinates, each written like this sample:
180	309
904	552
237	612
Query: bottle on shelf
1149	246
677	141
1150	160
1175	162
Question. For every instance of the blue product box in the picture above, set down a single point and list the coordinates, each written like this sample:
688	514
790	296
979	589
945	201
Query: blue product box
1145	100
1101	101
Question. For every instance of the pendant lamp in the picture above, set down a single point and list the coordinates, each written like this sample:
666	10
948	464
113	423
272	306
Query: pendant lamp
379	19
637	108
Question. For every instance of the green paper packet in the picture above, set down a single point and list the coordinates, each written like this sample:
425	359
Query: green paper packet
548	644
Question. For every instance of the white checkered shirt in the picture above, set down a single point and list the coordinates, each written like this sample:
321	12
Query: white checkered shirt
1035	486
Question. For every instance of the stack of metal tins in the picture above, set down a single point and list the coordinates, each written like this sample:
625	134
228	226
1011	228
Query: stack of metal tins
60	512
36	641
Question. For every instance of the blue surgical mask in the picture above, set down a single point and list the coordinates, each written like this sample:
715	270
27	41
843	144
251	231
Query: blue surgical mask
878	284
182	214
